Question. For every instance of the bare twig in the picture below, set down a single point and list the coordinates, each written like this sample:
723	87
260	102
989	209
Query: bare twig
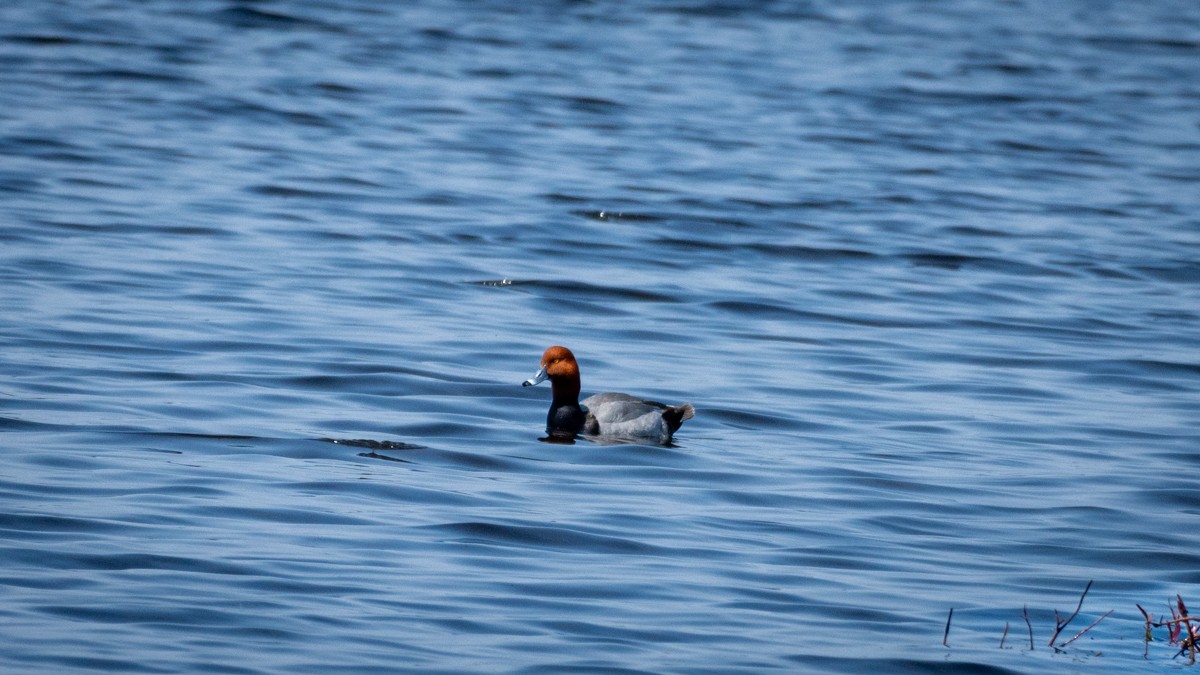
1080	633
946	635
1025	613
1190	643
1003	637
1149	632
1175	627
1146	614
1060	625
1182	619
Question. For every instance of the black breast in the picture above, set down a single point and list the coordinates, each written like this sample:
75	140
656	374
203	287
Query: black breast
565	418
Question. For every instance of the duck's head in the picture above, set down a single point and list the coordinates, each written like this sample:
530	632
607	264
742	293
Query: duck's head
558	366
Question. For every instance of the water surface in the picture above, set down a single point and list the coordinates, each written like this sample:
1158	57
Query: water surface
272	274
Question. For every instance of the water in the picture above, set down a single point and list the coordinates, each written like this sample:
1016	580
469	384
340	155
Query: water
273	273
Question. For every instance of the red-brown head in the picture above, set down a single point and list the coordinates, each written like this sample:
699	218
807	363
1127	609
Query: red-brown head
558	366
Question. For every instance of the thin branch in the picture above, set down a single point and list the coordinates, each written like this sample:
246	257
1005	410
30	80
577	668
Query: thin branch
1176	628
1060	625
1182	619
1081	597
946	635
1093	625
1025	613
1149	633
1003	637
1191	634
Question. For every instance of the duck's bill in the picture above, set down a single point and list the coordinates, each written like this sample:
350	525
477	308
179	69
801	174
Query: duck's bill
538	377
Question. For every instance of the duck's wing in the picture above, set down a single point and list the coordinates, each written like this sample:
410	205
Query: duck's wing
613	414
612	407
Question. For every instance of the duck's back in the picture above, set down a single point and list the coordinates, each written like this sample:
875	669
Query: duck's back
613	414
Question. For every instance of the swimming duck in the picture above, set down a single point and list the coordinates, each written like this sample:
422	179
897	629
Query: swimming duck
610	414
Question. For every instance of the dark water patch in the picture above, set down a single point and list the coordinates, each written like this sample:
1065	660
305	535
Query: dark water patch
44	560
42	40
252	110
17	184
284	586
1178	272
131	613
592	105
1016	393
100	664
386	458
1187	499
444	34
613	635
46	524
1159	371
13	424
618	452
363	383
758	499
774	599
1144	45
398	494
923	429
1103	272
809	253
1054	330
32	145
137	76
286	516
542	537
576	290
620	215
373	445
1026	146
492	73
498	283
74	463
203	437
581	668
826	558
471	461
295	192
559	198
585	590
254	18
842	139
786	311
956	262
904	666
759	421
1134	382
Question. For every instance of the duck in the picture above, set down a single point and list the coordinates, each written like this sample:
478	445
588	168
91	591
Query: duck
610	414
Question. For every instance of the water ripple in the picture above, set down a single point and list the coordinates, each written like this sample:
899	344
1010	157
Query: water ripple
273	274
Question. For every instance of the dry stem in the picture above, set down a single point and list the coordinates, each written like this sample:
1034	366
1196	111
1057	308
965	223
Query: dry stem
1025	613
1060	625
946	635
1093	625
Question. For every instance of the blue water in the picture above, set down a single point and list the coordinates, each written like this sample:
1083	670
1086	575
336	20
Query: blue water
272	273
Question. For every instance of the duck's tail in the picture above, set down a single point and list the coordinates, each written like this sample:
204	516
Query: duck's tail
676	415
